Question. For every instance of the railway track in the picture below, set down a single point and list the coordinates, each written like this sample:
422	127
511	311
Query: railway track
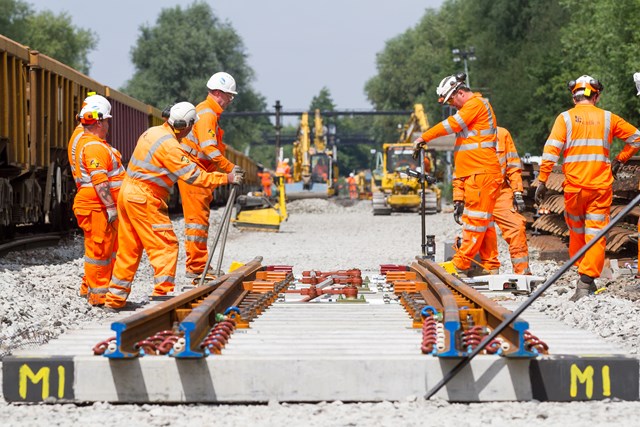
32	241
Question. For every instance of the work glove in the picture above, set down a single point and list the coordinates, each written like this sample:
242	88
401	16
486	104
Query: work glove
235	177
636	79
237	169
616	165
112	213
458	208
541	192
518	201
418	144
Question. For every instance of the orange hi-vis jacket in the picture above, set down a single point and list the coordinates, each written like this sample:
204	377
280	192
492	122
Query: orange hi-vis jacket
204	142
585	133
509	160
96	162
476	137
159	161
72	149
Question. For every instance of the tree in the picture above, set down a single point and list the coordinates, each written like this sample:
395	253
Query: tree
174	58
53	35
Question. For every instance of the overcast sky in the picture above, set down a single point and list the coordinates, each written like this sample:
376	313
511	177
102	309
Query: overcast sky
295	47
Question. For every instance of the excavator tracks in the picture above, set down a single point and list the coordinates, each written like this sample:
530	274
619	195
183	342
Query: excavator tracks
260	333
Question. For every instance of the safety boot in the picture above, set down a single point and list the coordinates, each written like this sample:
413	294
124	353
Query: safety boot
463	274
585	286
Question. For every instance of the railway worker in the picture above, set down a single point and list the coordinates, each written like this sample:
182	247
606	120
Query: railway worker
283	169
205	146
583	134
98	172
510	203
266	180
353	188
157	162
478	176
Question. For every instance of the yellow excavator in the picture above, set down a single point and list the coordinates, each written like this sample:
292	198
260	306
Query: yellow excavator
258	213
315	170
395	191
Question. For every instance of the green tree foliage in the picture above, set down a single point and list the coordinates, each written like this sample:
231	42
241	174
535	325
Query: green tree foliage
53	35
526	53
174	58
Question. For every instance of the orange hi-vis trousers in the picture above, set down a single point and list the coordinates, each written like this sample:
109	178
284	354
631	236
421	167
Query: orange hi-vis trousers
586	213
100	246
144	225
478	231
513	227
195	206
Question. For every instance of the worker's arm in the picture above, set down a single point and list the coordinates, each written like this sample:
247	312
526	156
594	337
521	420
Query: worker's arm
97	161
175	159
205	132
629	134
553	148
514	166
458	189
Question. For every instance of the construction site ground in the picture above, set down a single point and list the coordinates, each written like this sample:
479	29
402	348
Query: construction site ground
38	303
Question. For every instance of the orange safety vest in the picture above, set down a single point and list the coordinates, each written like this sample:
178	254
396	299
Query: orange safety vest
475	127
72	148
159	161
96	162
583	135
204	142
509	160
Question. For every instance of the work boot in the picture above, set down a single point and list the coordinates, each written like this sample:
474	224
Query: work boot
585	286
211	273
463	274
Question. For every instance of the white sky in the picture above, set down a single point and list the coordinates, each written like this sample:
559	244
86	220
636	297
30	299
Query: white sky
295	47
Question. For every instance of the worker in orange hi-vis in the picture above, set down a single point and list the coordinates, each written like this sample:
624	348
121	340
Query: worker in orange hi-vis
510	202
583	136
205	146
266	181
98	173
353	188
478	176
157	162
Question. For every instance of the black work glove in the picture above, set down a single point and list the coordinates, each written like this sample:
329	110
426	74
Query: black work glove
458	208
541	192
418	144
616	165
518	201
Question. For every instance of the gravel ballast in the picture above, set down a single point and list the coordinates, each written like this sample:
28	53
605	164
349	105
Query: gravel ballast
39	301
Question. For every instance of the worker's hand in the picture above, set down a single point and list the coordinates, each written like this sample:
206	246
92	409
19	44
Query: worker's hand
458	208
237	169
112	213
235	177
418	144
518	201
541	192
616	165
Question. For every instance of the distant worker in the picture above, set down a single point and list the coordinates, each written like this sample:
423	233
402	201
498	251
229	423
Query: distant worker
98	173
583	136
284	169
353	188
266	181
321	170
205	146
510	203
157	162
477	170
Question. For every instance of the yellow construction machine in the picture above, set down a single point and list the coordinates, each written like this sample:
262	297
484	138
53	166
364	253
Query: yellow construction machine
315	170
258	213
394	190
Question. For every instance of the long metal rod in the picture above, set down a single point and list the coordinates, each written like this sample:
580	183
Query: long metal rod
464	362
423	201
225	233
226	213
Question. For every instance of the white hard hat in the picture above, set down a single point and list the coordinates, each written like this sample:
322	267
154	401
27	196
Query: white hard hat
286	160
636	79
95	107
222	81
449	85
182	115
351	174
585	85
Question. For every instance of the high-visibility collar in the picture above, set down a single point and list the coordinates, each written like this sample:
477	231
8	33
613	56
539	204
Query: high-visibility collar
214	105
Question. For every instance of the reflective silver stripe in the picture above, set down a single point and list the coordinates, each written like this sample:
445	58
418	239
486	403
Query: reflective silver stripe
162	226
634	140
74	145
195	239
554	143
194	226
476	214
149	178
595	217
458	118
204	111
193	177
488	144
586	158
185	170
519	260
483	132
209	143
85	176
465	147
214	154
568	125
512	155
552	157
492	125
191	137
164	279
119	292
573	217
514	165
578	230
492	224
97	261
591	231
447	126
98	291
155	146
190	150
115	184
479	229
122	283
587	143
98	172
502	160
607	128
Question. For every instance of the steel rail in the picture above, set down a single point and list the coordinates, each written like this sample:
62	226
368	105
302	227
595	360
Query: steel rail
163	316
495	313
